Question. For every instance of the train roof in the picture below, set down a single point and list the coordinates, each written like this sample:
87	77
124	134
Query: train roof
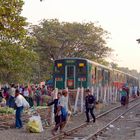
78	58
125	73
97	64
89	61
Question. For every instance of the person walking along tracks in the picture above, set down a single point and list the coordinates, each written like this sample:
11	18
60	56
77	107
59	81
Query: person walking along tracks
89	104
57	118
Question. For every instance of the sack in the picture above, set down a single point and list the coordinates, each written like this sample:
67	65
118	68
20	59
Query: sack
90	106
34	124
25	103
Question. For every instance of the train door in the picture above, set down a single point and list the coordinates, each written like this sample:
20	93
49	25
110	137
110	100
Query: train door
70	76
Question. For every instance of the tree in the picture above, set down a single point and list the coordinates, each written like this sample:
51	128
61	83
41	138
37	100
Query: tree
16	58
58	40
11	23
114	65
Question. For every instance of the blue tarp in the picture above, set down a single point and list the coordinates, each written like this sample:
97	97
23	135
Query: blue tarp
49	82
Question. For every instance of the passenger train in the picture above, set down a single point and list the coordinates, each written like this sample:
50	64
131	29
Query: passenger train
72	73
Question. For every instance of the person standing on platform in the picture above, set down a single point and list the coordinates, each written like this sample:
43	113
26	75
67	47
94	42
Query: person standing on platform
90	105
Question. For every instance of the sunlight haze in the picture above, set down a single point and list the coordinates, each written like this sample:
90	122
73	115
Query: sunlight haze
119	17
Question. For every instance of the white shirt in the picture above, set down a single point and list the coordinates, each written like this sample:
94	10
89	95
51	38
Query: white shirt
63	102
21	101
12	92
26	93
135	89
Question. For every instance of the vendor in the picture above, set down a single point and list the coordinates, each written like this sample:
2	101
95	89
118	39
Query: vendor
20	103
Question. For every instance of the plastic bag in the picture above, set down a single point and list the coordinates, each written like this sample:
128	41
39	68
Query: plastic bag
35	124
25	103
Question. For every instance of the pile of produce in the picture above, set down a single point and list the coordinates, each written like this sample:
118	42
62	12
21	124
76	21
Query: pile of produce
6	110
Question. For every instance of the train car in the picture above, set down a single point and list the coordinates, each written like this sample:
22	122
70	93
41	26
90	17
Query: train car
121	78
79	72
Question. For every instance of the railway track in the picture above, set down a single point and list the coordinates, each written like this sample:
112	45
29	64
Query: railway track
91	131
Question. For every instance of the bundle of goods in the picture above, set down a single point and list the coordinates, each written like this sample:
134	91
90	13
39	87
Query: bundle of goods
43	112
7	117
34	124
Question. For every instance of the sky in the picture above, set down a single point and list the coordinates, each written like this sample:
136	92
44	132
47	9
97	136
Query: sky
121	18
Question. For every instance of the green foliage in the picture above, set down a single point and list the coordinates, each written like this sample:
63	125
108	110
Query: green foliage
59	40
15	63
11	23
16	57
114	65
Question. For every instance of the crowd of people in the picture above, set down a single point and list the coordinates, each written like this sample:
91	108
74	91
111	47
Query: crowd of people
34	94
19	97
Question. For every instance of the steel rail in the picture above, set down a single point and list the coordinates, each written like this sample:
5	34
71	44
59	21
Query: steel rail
68	132
100	130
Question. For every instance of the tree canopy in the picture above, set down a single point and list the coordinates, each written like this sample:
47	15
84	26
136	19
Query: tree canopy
15	57
57	40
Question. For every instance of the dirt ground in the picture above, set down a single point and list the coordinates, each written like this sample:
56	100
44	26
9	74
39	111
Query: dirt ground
127	128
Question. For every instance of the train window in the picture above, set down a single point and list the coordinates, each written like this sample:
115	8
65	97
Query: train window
95	73
81	68
106	75
99	74
70	71
59	68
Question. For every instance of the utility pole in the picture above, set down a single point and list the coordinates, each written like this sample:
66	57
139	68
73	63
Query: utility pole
138	40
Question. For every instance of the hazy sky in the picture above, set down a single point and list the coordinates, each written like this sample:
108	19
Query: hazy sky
119	17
